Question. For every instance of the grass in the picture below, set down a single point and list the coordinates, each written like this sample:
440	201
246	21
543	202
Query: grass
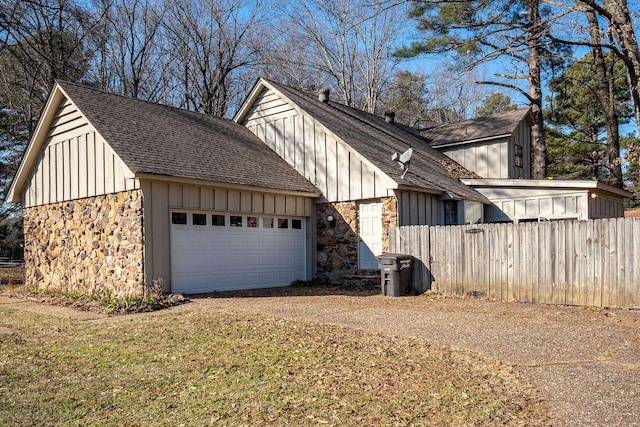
12	276
12	283
218	367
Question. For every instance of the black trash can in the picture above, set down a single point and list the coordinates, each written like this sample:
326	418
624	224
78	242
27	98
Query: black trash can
395	272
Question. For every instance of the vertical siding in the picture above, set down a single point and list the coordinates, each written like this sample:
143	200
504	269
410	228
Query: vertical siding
602	206
417	208
340	173
222	199
160	197
549	203
75	162
489	160
495	159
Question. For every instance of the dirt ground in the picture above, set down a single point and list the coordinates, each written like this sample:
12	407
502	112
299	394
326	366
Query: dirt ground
584	361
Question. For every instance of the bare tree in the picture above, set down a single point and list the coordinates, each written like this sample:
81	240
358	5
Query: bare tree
453	96
351	42
618	17
287	60
41	41
129	54
211	42
604	92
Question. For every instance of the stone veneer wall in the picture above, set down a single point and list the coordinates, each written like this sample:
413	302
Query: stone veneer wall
337	244
87	245
389	219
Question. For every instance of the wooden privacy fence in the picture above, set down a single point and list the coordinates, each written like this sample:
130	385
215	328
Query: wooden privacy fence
589	263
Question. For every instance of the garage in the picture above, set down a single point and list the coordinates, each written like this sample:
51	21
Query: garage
223	252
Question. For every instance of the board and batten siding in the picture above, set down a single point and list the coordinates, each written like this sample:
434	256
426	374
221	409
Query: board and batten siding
526	203
521	136
573	205
602	206
330	164
495	158
160	197
417	208
75	163
489	160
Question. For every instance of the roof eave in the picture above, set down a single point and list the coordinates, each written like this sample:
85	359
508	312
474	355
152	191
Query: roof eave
409	187
471	141
446	195
233	186
548	183
249	101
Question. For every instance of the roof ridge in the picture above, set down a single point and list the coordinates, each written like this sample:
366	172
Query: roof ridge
352	114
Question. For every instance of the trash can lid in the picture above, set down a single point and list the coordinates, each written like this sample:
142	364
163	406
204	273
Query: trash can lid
394	256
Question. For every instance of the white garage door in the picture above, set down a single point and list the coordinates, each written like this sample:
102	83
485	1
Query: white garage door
215	252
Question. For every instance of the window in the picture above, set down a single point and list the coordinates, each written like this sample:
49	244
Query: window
178	218
519	162
450	212
283	223
199	219
267	222
296	224
235	221
217	220
252	221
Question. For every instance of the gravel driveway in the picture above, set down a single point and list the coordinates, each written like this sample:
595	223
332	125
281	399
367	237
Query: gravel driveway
585	362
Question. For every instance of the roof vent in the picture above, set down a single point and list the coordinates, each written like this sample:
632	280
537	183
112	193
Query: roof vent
323	95
389	116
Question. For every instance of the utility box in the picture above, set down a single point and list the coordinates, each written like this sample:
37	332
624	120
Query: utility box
395	272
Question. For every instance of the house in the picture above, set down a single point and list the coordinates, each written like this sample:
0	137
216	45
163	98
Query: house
497	148
493	146
117	193
348	155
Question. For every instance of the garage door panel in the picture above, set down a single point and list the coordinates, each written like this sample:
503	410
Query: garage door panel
207	258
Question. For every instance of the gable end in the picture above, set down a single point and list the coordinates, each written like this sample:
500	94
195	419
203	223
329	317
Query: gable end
72	161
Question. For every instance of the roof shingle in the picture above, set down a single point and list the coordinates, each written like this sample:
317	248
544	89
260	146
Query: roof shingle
377	140
498	124
160	140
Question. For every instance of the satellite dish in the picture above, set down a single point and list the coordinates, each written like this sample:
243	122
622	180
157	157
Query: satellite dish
403	159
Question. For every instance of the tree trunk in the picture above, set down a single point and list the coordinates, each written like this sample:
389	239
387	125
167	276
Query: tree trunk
604	93
538	143
622	28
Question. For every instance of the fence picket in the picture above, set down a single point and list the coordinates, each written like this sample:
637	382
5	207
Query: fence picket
591	263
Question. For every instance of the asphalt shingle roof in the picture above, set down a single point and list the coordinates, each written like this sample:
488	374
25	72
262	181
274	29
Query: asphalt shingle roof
156	139
503	123
377	140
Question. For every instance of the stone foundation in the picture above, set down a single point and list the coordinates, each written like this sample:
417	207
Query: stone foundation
86	246
337	242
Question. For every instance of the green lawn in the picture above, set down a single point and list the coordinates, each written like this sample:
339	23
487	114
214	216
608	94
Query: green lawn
215	367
